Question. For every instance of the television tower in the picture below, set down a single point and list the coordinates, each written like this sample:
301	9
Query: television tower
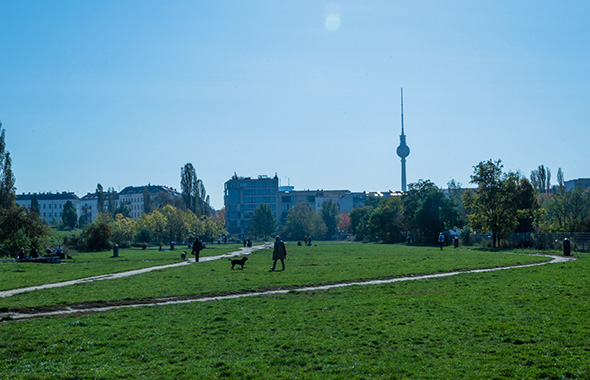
403	150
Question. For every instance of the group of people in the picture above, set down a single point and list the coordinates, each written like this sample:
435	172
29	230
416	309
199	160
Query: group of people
34	254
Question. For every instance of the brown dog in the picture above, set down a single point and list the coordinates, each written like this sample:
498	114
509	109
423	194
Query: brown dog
241	262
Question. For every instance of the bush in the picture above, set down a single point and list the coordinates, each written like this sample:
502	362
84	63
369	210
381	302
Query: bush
97	237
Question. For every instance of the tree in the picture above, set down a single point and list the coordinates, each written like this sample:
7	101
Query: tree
175	226
69	215
331	216
123	209
124	230
193	191
7	180
527	205
568	211
147	200
111	199
188	186
99	198
35	204
427	211
299	222
344	226
359	220
385	222
264	222
494	204
20	228
97	236
541	179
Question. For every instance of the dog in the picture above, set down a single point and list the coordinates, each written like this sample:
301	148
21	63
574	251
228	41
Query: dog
235	262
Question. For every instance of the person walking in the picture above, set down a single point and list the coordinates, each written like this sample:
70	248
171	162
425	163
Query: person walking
279	252
441	240
197	247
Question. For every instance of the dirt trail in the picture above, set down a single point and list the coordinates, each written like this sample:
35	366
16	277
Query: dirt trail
241	252
89	309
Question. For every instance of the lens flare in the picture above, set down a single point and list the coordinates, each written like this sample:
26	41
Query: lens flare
333	20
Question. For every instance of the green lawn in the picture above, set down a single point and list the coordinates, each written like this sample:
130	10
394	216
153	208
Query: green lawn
518	323
17	274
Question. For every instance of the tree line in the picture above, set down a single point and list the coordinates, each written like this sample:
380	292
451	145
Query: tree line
165	219
500	203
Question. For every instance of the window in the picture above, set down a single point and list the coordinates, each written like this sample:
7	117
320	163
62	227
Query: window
234	196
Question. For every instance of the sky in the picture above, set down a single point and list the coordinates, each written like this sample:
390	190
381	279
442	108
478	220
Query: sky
125	93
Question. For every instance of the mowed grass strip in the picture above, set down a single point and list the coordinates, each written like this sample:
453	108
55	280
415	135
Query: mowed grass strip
15	275
522	323
325	263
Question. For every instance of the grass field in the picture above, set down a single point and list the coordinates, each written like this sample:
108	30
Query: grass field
518	323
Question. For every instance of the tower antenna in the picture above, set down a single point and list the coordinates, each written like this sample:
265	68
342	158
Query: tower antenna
403	150
402	110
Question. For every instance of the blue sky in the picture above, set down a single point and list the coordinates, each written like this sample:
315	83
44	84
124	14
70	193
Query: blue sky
127	92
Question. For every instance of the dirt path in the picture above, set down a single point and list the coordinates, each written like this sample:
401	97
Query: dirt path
93	308
111	276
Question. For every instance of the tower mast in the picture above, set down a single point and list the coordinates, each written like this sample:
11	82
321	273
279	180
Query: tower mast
403	150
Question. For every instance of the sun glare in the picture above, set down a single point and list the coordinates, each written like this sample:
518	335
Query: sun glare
332	21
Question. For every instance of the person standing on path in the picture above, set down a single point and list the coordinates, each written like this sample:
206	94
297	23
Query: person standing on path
441	240
197	247
279	252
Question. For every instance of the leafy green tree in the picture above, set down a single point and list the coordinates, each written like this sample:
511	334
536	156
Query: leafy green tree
7	180
123	209
568	211
175	226
20	228
527	205
318	227
147	200
188	187
331	216
97	236
111	200
264	222
100	198
359	220
193	191
299	222
35	204
386	222
69	215
541	179
124	230
427	212
494	205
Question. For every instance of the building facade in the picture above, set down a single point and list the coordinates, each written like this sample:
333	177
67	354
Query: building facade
132	196
580	183
50	204
242	195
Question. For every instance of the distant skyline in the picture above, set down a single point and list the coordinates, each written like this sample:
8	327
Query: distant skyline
126	93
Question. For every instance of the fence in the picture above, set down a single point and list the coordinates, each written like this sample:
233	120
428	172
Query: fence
580	240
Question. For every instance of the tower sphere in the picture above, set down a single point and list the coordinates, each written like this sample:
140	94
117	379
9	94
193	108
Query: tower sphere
403	151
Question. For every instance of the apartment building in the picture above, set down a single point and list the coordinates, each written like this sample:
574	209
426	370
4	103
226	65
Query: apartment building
50	204
242	195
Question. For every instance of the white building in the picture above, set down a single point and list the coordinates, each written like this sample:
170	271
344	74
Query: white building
50	205
132	196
